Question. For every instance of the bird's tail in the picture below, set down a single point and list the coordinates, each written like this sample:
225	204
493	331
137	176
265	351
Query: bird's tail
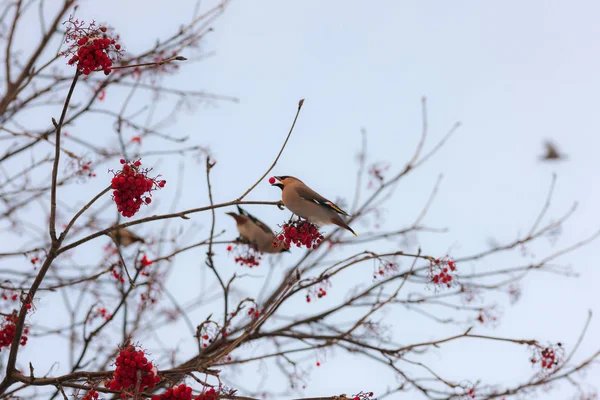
340	222
238	218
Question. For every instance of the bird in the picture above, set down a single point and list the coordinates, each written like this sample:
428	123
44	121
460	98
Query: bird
552	153
308	204
124	237
257	233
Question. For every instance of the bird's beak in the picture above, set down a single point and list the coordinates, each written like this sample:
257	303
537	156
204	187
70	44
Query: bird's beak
278	182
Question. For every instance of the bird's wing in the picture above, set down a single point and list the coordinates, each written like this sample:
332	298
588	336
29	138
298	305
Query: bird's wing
308	194
551	151
264	227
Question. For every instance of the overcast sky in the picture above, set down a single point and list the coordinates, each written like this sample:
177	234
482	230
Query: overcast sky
514	73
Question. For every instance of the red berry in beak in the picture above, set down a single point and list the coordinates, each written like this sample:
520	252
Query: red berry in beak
271	180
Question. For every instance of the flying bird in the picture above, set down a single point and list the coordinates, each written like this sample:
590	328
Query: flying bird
256	232
552	153
308	204
124	237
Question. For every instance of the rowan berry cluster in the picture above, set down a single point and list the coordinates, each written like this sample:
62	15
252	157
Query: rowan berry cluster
104	313
253	312
469	394
488	316
128	363
82	168
7	333
441	272
184	392
548	357
318	291
118	276
206	340
132	187
91	395
210	394
144	262
514	292
363	396
301	233
376	173
91	48
13	296
384	268
147	298
249	256
181	392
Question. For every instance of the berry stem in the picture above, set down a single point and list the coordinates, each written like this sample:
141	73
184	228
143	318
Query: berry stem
151	64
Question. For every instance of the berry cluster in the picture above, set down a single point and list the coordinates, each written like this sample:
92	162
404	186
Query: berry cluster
250	261
488	316
184	392
130	187
7	333
181	392
119	277
250	257
206	340
384	268
254	312
363	396
13	296
91	48
210	394
441	271
104	313
376	173
514	292
548	357
301	233
91	395
128	362
144	262
318	291
82	168
147	297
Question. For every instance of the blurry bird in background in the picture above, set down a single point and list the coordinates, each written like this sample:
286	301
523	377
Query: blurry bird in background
124	237
256	233
552	153
308	204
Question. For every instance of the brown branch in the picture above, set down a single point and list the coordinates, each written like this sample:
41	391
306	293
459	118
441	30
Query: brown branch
300	103
58	126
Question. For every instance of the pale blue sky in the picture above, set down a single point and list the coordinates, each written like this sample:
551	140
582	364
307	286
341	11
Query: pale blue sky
513	72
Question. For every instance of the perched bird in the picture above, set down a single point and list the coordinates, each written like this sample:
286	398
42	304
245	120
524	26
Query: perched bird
306	203
124	237
257	233
552	153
